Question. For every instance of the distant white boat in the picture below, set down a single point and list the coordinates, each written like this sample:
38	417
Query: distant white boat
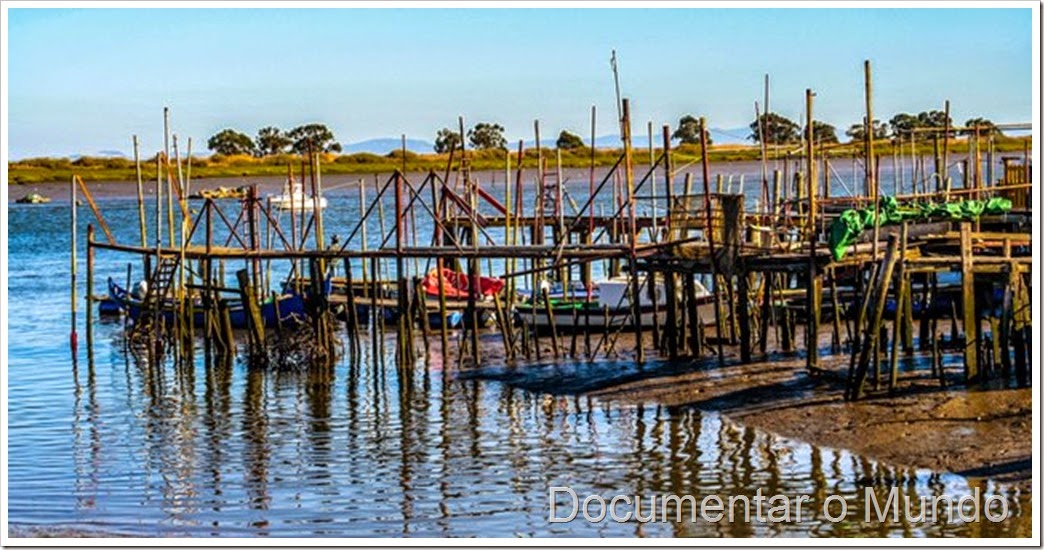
295	198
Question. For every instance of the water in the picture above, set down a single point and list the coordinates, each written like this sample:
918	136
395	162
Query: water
101	443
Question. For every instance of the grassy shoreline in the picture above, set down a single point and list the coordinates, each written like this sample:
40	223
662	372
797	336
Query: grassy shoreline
42	170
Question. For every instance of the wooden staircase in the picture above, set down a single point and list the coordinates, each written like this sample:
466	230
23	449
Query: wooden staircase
160	283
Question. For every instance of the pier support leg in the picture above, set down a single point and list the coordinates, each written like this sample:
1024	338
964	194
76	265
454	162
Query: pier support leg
971	331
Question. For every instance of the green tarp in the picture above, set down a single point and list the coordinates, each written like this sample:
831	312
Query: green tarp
845	230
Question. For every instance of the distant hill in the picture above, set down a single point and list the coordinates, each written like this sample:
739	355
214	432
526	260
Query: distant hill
383	146
719	136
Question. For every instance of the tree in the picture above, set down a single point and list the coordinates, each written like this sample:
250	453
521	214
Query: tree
487	136
447	140
822	132
231	142
271	141
985	126
903	124
320	137
933	119
568	140
778	129
688	132
857	132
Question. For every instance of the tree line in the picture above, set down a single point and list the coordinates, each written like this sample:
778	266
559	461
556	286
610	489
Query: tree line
772	128
273	141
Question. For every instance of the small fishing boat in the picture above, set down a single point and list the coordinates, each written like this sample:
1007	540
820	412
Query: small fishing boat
295	198
287	309
456	285
387	303
609	305
220	193
33	198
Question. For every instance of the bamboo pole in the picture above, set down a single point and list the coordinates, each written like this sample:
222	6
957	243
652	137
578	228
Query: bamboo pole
141	196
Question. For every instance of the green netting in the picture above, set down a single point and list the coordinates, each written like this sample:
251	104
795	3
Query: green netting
845	230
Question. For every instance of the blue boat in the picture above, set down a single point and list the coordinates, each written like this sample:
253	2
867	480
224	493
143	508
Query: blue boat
288	309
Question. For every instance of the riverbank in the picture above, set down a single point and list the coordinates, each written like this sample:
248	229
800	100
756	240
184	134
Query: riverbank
41	170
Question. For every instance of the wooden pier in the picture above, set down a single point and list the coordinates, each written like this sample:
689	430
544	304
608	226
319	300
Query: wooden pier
770	268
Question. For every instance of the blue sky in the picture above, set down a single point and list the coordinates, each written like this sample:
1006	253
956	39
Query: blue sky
83	80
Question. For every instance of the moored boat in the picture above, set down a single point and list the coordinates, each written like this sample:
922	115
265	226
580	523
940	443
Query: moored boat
33	198
221	193
287	309
457	285
609	305
295	198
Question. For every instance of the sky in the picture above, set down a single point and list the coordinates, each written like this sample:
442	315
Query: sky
82	81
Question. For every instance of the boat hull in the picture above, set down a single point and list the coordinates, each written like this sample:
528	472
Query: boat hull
590	319
288	309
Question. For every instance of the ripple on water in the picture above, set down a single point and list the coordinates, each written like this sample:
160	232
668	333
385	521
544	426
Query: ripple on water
109	445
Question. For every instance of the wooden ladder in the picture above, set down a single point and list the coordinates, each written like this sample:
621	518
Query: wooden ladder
161	281
550	193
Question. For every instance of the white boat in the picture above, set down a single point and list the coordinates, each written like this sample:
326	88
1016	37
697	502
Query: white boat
610	305
295	198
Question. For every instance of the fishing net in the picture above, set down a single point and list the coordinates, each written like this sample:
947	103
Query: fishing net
846	229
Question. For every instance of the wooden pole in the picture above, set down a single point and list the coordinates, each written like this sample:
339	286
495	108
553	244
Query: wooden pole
141	196
636	307
72	262
873	331
868	139
709	229
901	297
946	149
971	321
813	293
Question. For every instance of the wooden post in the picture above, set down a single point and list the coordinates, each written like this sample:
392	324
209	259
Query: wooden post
141	196
813	293
72	262
901	297
89	292
946	150
872	332
247	293
742	302
871	174
709	229
636	308
971	358
695	325
766	311
836	302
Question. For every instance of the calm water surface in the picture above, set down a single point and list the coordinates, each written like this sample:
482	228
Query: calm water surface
101	442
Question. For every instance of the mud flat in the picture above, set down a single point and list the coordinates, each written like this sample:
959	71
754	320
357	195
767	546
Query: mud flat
977	432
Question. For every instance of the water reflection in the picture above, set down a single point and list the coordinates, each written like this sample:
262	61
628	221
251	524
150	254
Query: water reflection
362	450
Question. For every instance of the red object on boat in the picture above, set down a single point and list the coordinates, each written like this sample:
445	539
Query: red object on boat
457	284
